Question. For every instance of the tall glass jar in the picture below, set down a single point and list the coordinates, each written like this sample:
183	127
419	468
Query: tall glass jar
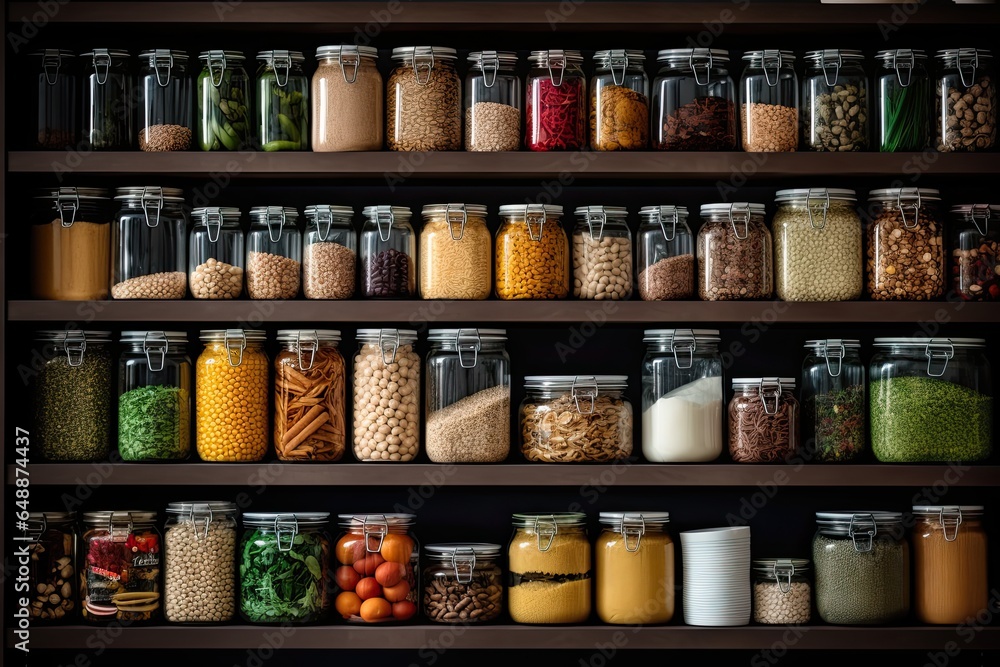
835	101
52	578
389	432
931	400
231	396
388	253
556	102
309	396
975	252
905	245
694	102
70	244
55	101
763	420
455	247
165	104
966	101
154	396
468	396
681	396
619	101
769	102
602	254
274	253
734	253
903	118
532	253
466	574
149	244
949	563
634	568
329	252
493	100
108	100
782	594
665	261
550	569
833	401
224	119
424	100
215	253
282	101
199	572
348	100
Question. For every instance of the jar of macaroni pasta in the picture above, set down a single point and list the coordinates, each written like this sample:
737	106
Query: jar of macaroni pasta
532	253
949	563
634	568
455	249
549	557
386	395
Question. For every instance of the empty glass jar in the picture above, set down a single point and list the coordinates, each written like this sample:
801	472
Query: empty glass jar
348	100
532	253
734	253
216	254
619	101
165	104
975	251
665	260
424	100
282	101
70	244
835	101
833	401
329	252
224	94
602	253
903	118
388	253
556	102
694	101
274	253
149	244
55	101
769	100
966	102
763	420
493	100
108	100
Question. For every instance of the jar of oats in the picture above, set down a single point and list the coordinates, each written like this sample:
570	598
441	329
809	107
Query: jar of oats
454	251
905	245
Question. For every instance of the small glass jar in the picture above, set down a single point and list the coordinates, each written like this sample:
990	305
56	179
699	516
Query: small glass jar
833	401
573	418
782	594
224	119
108	100
121	560
394	433
556	102
734	253
694	101
763	420
975	252
199	572
681	396
231	396
634	568
424	100
966	101
165	104
619	101
666	254
550	569
493	99
455	247
905	245
282	101
149	244
309	396
903	118
216	253
468	396
835	101
931	400
769	102
532	253
274	253
70	244
950	567
55	102
348	99
329	252
466	574
377	563
285	568
388	253
52	578
602	254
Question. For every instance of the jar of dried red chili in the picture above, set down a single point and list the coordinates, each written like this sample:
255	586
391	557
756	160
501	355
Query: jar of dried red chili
557	101
693	101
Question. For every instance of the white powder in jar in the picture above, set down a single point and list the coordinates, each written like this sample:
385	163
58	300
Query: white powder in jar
685	425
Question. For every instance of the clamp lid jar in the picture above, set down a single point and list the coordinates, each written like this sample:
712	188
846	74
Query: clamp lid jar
769	98
549	557
54	104
70	244
108	100
493	102
835	101
216	253
459	574
903	115
966	99
556	101
424	100
665	260
734	253
166	106
833	401
782	593
274	253
975	254
455	246
388	253
532	253
619	101
694	101
763	420
282	104
329	255
348	98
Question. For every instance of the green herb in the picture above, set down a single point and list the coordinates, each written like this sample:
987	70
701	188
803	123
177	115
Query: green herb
905	116
72	407
283	586
154	422
835	424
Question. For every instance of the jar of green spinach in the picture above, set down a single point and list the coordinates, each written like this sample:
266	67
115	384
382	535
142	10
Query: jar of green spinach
931	400
833	401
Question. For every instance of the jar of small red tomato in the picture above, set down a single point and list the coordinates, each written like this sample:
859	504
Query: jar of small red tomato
557	102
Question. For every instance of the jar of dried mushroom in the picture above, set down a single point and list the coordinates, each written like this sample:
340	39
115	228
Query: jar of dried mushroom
329	252
835	101
388	253
274	253
216	253
734	253
966	101
549	557
463	582
455	249
769	102
817	245
905	245
424	100
224	92
782	593
532	253
694	101
493	99
199	553
282	105
386	395
903	116
556	102
634	568
70	244
975	251
55	101
570	418
602	254
309	396
108	100
166	106
51	578
348	99
833	401
468	396
665	260
149	244
619	101
763	420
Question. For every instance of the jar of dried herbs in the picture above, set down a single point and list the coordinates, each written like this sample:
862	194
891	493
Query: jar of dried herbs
975	251
763	420
619	101
694	101
833	401
223	102
903	115
734	253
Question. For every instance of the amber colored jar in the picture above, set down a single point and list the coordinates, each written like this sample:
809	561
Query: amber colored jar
634	568
949	563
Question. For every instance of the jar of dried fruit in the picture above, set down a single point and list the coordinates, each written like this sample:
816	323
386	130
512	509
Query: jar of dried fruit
556	102
975	251
55	101
903	118
388	253
121	560
329	252
216	254
274	253
282	106
224	92
665	261
493	100
602	253
166	109
905	245
149	244
966	101
769	102
694	101
348	99
549	557
52	578
455	249
532	253
833	401
619	101
108	100
734	253
463	582
763	420
70	244
835	101
424	100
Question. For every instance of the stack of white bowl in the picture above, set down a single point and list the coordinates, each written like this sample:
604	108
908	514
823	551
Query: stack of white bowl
716	576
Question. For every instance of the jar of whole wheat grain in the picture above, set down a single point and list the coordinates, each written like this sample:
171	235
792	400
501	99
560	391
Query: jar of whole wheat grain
347	99
424	100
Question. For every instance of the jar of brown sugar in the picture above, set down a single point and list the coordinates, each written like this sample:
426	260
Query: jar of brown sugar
949	563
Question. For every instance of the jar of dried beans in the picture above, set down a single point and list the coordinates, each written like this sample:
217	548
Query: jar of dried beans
424	100
966	101
556	102
216	254
224	92
602	253
463	582
763	420
455	249
549	557
493	101
70	244
835	101
282	106
274	253
348	100
903	118
329	254
665	261
975	252
108	100
199	573
51	574
833	401
634	569
905	245
166	110
619	101
121	560
55	101
693	101
149	244
769	102
734	253
782	593
532	253
388	253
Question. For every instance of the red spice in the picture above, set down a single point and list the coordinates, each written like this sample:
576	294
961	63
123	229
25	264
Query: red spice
556	115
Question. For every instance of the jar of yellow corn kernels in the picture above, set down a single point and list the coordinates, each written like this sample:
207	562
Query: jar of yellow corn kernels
231	394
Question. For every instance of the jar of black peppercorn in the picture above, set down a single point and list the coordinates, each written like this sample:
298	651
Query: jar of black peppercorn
388	253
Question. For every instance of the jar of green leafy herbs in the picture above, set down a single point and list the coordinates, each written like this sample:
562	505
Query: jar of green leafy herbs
282	101
904	101
833	401
223	91
284	567
154	401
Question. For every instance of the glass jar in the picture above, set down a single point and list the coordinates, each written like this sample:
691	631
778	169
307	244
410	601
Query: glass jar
55	101
199	572
329	252
602	254
931	400
224	119
309	396
108	100
905	245
734	253
388	253
949	563
666	254
282	101
51	577
681	396
817	245
763	420
231	396
782	594
550	569
121	561
572	418
556	102
215	253
493	100
285	567
619	101
833	401
348	99
769	102
468	396
634	567
274	253
72	395
165	104
455	253
462	574
424	100
70	244
975	252
154	396
394	433
377	565
532	253
835	101
903	121
693	101
149	244
966	101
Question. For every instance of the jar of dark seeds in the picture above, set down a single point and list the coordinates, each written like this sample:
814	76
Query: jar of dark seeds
388	253
734	253
835	101
763	420
462	583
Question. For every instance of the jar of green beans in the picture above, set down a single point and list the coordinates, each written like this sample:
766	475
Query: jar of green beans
903	119
223	102
282	101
